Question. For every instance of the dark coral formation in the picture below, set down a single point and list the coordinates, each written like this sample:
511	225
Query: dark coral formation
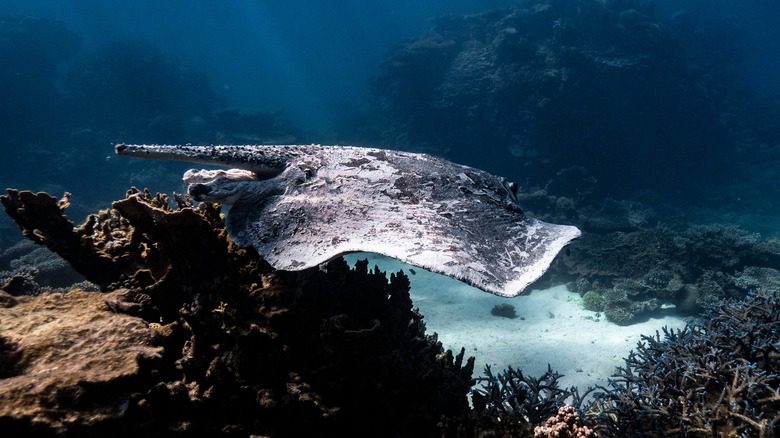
511	403
557	83
234	348
27	268
247	350
719	378
504	310
628	275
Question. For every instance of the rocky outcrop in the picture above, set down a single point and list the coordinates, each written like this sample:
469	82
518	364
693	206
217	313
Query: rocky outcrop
68	363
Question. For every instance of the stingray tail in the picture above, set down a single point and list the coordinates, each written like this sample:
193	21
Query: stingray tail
265	161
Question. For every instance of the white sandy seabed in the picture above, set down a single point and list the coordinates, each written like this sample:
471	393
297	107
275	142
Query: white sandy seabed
551	327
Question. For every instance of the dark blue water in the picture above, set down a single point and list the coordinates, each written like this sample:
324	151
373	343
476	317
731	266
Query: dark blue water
667	102
302	57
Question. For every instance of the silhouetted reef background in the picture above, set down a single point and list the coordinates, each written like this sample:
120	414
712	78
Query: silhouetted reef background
666	102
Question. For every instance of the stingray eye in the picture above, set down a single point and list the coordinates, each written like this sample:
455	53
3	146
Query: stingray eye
514	187
307	171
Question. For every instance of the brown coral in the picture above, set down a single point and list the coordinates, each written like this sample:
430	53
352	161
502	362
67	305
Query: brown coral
246	349
60	354
565	424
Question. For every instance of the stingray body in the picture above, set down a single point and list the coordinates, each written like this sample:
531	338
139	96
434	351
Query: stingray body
301	205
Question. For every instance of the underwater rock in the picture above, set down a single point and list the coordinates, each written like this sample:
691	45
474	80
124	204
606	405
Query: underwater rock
67	363
505	310
245	349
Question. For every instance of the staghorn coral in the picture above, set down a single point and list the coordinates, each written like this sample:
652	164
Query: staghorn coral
715	379
246	350
511	403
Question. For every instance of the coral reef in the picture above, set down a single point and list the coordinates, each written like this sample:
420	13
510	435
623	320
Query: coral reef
27	268
554	84
212	340
632	274
719	378
511	404
245	349
69	363
716	378
564	424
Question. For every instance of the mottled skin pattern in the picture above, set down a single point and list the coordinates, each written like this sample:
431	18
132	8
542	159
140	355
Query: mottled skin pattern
300	206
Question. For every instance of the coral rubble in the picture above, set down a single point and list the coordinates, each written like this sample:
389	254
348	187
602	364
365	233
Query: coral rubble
245	349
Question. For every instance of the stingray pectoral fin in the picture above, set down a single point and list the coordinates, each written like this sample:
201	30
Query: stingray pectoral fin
505	258
553	238
502	254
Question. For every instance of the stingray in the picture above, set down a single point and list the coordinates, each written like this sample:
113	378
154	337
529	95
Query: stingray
302	205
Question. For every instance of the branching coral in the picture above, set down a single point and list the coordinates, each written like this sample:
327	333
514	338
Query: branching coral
511	403
717	379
